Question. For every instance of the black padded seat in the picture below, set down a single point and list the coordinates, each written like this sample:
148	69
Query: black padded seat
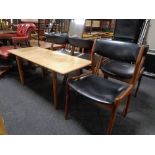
119	69
97	88
80	42
57	38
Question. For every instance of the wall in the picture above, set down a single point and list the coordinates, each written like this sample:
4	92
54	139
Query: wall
151	34
76	27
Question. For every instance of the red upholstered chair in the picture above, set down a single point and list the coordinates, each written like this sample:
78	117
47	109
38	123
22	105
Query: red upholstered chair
22	35
24	32
4	56
4	53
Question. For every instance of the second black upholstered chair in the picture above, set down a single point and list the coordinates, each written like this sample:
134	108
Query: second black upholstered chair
83	44
81	48
124	60
58	40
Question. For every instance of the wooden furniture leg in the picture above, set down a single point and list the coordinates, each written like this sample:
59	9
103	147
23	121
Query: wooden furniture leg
67	102
125	111
2	127
54	80
139	82
4	70
112	120
20	70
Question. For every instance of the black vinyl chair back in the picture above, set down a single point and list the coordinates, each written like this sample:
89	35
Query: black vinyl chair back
117	50
128	30
57	38
81	43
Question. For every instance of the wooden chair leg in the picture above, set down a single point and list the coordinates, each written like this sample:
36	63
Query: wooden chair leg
67	103
112	120
125	111
55	88
4	70
139	82
20	70
28	43
2	127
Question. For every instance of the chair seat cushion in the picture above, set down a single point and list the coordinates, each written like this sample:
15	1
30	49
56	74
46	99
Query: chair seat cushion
98	88
4	51
57	38
119	69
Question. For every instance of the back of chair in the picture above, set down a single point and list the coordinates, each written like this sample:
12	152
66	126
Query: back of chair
117	50
25	28
57	38
81	43
128	29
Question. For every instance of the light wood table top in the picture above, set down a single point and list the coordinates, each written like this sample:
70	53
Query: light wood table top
58	62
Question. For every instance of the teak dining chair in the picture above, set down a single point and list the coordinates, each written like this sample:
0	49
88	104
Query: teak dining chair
105	92
60	39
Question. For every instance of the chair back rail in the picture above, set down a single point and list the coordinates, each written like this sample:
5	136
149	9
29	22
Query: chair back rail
121	51
117	50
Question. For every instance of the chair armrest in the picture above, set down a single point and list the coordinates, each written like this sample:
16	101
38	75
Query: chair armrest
125	93
81	76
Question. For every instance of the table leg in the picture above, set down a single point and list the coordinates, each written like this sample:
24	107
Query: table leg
54	80
20	70
2	127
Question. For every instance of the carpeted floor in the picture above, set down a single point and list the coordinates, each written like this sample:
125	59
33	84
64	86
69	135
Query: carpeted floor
29	110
